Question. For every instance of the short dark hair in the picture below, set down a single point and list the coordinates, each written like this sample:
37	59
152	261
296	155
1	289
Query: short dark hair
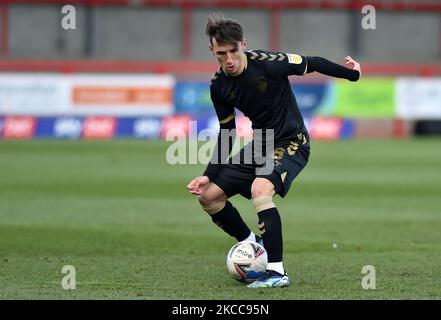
225	31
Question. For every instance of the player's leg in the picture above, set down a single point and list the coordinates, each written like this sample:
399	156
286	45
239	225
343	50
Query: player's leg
214	201
294	158
270	226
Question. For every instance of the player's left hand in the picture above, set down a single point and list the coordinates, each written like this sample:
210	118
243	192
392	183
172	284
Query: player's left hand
353	64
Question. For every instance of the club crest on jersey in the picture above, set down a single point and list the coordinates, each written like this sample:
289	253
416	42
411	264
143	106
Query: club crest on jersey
294	58
231	95
261	84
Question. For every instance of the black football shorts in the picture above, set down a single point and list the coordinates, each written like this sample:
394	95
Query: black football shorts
288	159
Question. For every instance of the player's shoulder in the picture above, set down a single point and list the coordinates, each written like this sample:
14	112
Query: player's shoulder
273	56
265	55
215	79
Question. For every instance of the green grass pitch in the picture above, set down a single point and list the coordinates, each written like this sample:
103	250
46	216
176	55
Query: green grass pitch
122	216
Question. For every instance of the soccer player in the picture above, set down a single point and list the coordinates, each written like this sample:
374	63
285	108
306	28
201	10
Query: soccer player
256	83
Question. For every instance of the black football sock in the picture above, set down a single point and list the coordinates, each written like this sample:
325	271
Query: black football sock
270	227
231	222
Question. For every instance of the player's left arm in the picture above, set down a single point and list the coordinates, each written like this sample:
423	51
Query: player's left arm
287	64
332	69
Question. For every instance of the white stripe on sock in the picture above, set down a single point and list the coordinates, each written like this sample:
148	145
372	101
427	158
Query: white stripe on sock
251	237
276	266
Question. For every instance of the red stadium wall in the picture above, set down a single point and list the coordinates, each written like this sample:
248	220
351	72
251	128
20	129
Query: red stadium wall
186	67
274	7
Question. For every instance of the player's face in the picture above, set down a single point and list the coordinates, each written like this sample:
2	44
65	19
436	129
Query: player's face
229	56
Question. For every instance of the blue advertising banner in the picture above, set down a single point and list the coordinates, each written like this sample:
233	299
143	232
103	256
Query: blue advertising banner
73	127
145	127
316	98
59	127
192	97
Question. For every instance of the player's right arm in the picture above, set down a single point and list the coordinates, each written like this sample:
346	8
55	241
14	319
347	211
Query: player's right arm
227	133
224	144
198	184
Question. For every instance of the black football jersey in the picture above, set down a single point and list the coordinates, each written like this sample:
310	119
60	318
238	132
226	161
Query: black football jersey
262	92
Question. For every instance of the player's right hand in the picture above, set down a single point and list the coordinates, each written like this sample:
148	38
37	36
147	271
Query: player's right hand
197	185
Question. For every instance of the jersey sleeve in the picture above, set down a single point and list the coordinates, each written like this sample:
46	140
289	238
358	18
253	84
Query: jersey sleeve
225	112
329	68
227	123
282	64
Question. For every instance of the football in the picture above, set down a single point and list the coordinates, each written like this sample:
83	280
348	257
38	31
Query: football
246	261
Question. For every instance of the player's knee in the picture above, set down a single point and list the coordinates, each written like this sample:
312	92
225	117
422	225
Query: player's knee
262	187
263	203
211	204
204	200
